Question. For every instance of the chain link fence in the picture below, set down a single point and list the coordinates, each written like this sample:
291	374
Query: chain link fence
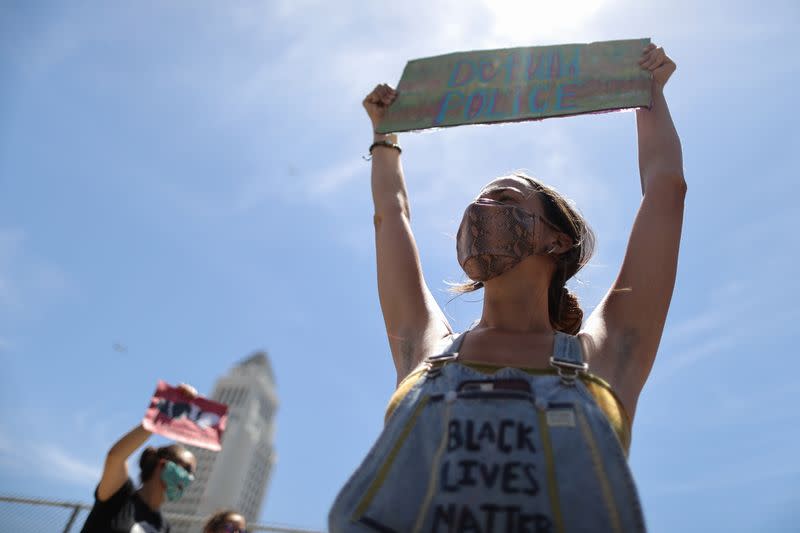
49	516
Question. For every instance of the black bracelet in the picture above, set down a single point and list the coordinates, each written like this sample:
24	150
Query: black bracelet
387	144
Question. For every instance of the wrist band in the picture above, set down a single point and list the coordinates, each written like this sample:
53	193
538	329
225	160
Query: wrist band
387	144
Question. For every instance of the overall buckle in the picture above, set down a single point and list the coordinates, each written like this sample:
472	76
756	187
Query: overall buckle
568	372
436	362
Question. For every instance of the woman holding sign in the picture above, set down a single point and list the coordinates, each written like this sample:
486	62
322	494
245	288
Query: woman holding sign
521	423
165	473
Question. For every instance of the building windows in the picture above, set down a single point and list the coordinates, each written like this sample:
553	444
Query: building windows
233	395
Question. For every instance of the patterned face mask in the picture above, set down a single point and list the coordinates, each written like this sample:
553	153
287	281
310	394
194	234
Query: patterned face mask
177	479
494	237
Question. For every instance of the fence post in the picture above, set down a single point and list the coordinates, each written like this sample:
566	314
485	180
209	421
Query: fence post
78	507
72	518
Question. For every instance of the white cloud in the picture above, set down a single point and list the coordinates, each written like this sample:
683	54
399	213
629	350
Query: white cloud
49	461
39	444
717	329
319	186
325	67
712	345
521	23
333	179
321	71
56	463
714	319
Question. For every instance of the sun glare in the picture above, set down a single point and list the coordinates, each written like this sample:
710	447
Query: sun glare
532	22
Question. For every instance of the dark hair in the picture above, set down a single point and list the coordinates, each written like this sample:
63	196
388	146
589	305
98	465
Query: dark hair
150	457
218	519
564	310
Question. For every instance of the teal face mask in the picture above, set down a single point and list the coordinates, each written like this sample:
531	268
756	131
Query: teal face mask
177	479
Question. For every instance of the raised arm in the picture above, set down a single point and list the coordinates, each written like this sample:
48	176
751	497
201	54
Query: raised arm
115	469
414	321
623	333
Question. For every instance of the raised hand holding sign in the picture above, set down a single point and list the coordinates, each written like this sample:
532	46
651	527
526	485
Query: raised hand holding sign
179	413
514	84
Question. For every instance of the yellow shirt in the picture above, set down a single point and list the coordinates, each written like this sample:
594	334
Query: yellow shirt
608	402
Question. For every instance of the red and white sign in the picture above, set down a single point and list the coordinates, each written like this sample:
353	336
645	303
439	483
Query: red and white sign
197	421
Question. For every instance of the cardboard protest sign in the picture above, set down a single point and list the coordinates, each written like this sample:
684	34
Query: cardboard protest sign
196	421
513	84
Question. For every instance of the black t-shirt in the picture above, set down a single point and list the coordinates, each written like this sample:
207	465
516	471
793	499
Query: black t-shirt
124	512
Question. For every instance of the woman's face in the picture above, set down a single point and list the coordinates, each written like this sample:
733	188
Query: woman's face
503	226
184	459
175	474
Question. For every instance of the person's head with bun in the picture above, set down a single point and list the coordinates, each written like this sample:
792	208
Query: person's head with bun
226	521
169	469
520	227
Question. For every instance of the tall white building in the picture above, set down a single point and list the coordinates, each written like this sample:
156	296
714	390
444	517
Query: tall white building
237	476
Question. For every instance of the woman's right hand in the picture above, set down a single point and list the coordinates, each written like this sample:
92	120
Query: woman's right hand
377	102
188	390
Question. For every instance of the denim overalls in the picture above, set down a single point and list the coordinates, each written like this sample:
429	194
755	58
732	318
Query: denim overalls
508	452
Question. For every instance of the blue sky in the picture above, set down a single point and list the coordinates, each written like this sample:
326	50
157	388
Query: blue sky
185	179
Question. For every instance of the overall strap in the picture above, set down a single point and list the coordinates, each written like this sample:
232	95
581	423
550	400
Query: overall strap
450	354
568	357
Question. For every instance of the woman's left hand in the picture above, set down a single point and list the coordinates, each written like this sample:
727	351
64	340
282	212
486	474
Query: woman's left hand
658	63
